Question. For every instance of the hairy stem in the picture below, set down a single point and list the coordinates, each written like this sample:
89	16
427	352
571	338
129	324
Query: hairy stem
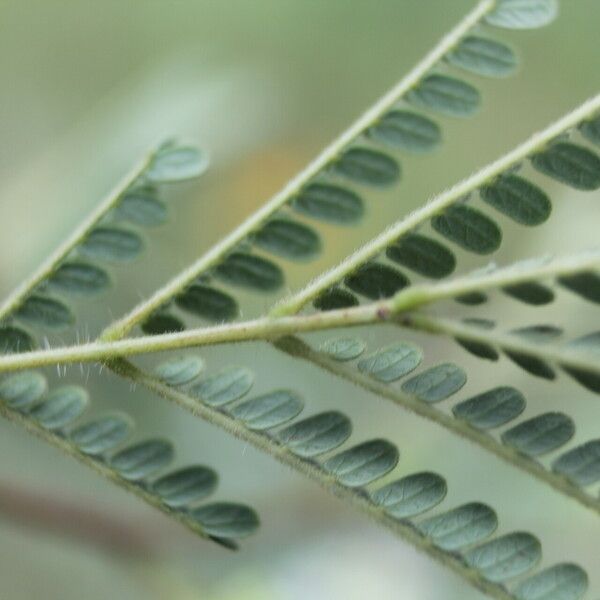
120	328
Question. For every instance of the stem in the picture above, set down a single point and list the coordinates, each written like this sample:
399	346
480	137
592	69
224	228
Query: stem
15	299
297	348
355	497
120	328
293	304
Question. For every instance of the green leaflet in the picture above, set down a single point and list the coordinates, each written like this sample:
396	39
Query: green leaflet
391	363
368	167
540	435
505	557
22	390
176	163
437	383
229	384
446	95
102	434
538	334
268	410
45	312
569	163
581	464
141	207
483	56
226	520
160	323
250	271
186	485
423	255
590	130
411	495
408	131
111	244
288	239
140	460
364	463
179	370
585	284
15	339
461	526
492	408
317	434
560	582
207	303
523	14
335	298
472	299
530	292
588	343
479	349
468	228
518	199
79	277
376	281
329	203
61	407
343	349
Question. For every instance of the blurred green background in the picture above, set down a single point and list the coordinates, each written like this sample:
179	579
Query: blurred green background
263	85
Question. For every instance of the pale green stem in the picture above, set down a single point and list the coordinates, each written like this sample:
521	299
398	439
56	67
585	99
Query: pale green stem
535	143
216	254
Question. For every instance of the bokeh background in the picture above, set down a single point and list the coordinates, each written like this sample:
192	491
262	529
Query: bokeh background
263	85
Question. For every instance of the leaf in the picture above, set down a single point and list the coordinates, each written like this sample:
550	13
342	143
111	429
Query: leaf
45	312
468	228
483	56
532	364
363	463
505	557
590	344
461	526
334	299
102	434
226	520
518	199
22	390
559	582
412	495
376	281
590	129
111	244
408	131
423	255
472	299
288	239
79	277
186	485
523	14
317	434
446	95
61	407
581	464
343	349
141	207
250	271
15	339
479	349
268	410
530	292
176	163
437	383
540	435
179	370
569	163
229	384
368	167
391	363
585	284
329	203
140	460
207	303
160	323
492	408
